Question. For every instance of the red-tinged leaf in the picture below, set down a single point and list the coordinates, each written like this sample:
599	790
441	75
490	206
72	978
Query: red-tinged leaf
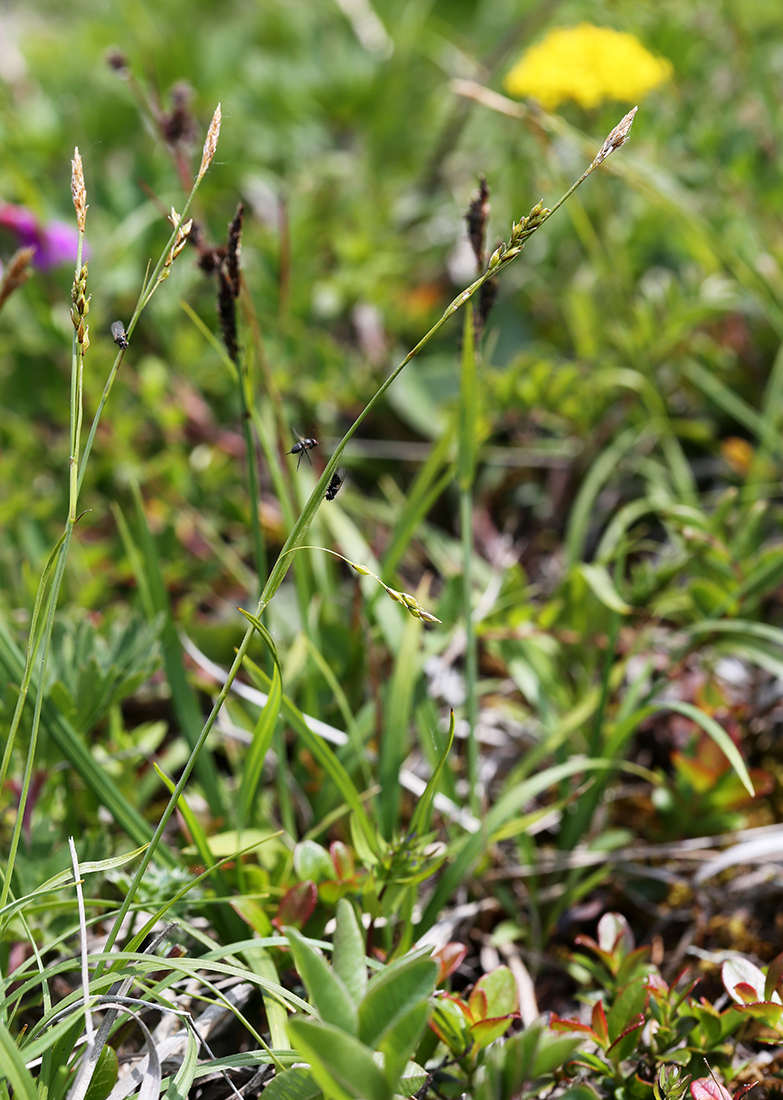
745	993
774	978
342	858
767	1012
736	972
500	992
449	958
558	1023
745	1088
625	1044
486	1031
656	984
296	906
477	1005
614	934
600	1026
705	1088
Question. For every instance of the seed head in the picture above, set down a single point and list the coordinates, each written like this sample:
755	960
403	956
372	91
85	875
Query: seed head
210	145
78	190
617	137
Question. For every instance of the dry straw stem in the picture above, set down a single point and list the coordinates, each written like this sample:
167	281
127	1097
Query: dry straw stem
78	190
210	145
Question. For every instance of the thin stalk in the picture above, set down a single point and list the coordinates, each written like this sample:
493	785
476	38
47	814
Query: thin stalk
471	649
466	473
77	369
75	473
500	259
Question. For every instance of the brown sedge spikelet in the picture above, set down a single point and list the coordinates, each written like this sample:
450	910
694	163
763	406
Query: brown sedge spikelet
81	307
228	285
618	136
78	190
210	145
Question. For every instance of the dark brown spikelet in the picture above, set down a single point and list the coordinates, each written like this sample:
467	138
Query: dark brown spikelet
477	217
117	60
228	285
227	315
177	126
233	246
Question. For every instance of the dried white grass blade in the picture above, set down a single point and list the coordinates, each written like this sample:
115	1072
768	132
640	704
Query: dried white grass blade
760	850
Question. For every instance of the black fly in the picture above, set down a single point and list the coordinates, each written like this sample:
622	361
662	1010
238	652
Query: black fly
301	448
334	485
118	334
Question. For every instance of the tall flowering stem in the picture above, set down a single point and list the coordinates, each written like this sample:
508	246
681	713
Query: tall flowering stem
46	598
500	258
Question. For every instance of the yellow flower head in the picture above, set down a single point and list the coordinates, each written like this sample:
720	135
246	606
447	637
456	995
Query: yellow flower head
588	64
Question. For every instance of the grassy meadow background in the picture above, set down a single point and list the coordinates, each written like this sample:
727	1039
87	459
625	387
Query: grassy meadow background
599	485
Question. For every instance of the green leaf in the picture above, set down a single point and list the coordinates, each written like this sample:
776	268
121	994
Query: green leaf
179	1089
262	739
326	990
13	1069
602	585
500	995
391	995
628	1003
342	1066
297	1083
348	957
311	860
401	1040
421	815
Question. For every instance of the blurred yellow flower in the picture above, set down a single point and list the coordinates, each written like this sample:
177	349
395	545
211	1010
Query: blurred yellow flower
588	64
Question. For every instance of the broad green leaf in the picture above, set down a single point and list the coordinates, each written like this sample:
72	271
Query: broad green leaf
392	993
342	1066
297	1083
311	860
500	995
326	990
401	1040
348	957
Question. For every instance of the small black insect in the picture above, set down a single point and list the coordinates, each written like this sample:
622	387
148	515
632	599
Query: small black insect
301	448
334	485
118	334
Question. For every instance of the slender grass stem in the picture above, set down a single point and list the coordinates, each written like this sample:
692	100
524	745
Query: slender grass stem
500	259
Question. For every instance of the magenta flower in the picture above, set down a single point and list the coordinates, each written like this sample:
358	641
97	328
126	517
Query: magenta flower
54	244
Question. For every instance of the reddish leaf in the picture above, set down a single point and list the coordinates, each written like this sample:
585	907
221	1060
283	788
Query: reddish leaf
499	992
449	958
342	858
705	1088
614	934
296	906
558	1023
745	993
600	1026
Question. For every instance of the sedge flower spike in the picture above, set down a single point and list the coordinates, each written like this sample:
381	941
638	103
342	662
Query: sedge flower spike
589	65
78	190
210	145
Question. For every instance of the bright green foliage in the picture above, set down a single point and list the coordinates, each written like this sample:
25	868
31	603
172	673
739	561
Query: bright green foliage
362	1042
